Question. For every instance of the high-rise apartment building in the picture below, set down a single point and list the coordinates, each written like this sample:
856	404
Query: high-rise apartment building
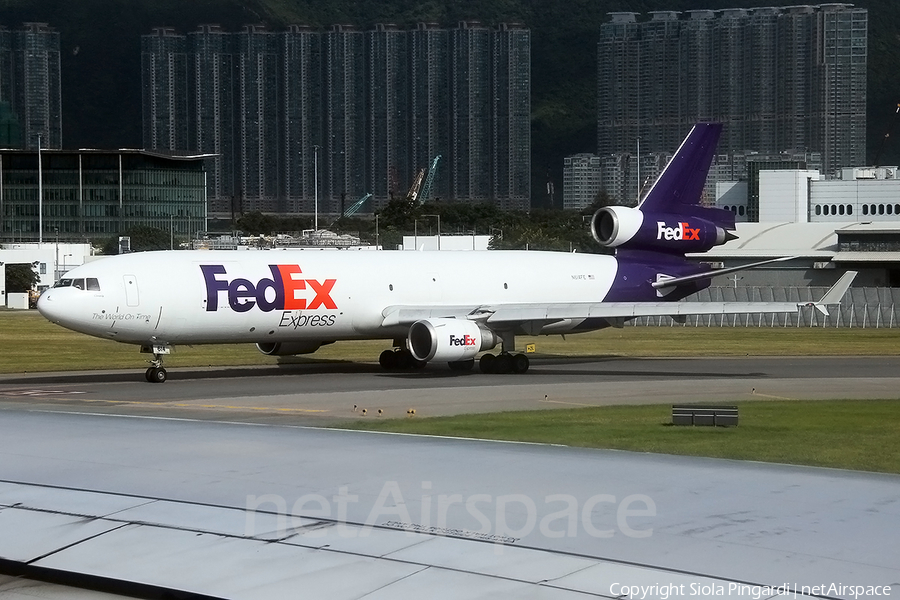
30	83
582	180
780	79
301	113
387	110
165	100
212	121
511	116
361	112
429	56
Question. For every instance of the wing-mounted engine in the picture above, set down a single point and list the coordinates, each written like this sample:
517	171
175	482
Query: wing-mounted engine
632	229
288	348
448	339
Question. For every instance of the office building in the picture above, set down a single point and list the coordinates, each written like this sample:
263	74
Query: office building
90	194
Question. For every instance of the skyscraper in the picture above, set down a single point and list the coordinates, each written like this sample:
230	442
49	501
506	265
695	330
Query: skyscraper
780	79
387	118
429	57
470	111
30	83
301	114
164	64
212	121
511	116
369	109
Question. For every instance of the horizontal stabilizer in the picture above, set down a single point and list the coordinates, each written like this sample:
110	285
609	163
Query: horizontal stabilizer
667	282
836	292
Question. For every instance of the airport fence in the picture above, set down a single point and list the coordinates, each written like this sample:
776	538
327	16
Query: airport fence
868	307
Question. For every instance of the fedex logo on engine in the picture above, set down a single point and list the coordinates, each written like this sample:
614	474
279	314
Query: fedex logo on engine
466	340
682	232
286	285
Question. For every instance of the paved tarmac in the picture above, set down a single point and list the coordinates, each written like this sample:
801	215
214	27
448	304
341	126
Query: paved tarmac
193	484
324	393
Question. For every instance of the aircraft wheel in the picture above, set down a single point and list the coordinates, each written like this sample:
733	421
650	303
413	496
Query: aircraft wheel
520	363
486	363
388	360
148	374
159	375
404	359
462	365
503	364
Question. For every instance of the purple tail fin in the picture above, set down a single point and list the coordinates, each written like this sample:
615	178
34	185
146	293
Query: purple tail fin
678	189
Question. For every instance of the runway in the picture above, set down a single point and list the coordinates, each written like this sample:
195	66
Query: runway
213	484
325	393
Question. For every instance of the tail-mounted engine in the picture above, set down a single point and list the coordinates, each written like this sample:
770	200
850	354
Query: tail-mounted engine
621	226
448	339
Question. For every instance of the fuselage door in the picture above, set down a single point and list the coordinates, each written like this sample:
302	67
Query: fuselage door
131	290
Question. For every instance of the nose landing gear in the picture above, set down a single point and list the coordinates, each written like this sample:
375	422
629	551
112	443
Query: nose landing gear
156	373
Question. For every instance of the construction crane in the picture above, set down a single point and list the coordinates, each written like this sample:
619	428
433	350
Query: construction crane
358	205
884	139
429	181
413	192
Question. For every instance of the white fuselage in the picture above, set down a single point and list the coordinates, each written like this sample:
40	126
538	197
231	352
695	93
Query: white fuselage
192	297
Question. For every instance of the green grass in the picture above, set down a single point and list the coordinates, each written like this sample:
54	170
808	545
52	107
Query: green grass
29	343
849	434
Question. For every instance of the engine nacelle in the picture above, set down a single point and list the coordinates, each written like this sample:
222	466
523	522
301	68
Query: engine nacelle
621	226
448	339
288	348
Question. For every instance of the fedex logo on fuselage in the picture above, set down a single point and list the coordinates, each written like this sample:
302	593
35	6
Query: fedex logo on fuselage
466	340
285	284
682	232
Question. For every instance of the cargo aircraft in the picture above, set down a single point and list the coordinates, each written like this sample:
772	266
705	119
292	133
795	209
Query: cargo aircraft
435	306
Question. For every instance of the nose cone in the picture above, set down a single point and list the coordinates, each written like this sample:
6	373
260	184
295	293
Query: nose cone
50	306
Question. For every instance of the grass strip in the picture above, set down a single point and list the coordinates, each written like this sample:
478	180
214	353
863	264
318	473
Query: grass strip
861	435
29	343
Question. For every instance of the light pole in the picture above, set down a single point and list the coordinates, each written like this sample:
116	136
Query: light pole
171	234
639	169
438	229
376	231
56	265
316	185
40	195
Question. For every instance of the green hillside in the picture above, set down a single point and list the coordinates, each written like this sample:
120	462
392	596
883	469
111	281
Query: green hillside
101	56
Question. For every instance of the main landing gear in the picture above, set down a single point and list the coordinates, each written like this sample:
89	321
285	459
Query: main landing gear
156	373
399	359
504	362
507	361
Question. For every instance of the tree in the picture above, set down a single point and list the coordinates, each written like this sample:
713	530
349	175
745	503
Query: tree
21	278
143	238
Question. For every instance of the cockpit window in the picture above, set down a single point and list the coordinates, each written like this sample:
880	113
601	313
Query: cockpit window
91	284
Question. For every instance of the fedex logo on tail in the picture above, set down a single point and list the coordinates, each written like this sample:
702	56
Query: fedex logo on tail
682	232
466	340
286	284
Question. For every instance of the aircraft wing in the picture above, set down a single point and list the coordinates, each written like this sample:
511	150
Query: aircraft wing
497	315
